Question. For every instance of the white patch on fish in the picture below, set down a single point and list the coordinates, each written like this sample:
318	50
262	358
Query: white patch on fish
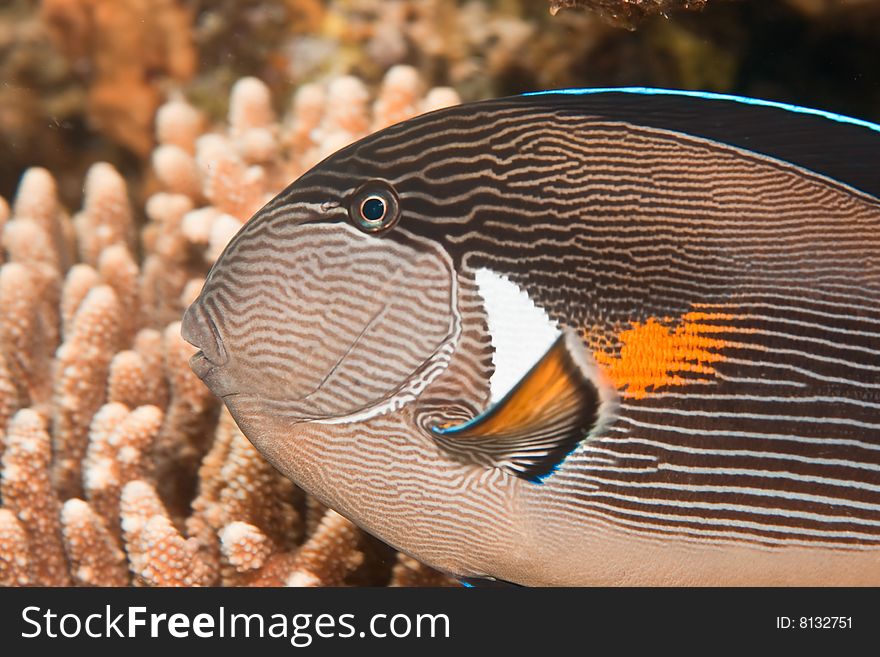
521	331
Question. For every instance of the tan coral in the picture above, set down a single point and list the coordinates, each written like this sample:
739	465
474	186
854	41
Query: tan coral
346	117
22	340
244	546
315	510
119	270
329	555
256	493
192	411
83	363
167	266
95	559
179	124
440	98
409	572
101	480
106	217
227	182
148	345
191	291
118	452
37	200
300	135
127	382
27	490
14	551
250	106
9	402
237	484
4	217
28	243
223	229
252	121
158	554
399	97
80	279
177	171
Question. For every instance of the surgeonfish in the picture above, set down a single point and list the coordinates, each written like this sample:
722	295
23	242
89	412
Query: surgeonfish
582	337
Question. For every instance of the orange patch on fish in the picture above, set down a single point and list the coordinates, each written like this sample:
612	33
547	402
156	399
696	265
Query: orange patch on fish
654	354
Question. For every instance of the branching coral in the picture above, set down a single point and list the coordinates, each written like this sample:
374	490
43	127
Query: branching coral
119	467
27	491
95	558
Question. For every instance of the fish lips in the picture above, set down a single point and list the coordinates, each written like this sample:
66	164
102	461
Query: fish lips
200	331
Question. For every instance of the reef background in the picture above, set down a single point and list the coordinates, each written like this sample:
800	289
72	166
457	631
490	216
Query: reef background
136	137
81	79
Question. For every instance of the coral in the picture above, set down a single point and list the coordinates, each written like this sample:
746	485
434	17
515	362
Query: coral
409	572
158	553
244	546
329	555
27	490
95	559
127	382
21	336
124	46
119	466
627	13
14	551
83	366
106	215
120	442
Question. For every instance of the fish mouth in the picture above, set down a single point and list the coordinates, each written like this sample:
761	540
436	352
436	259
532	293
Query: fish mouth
201	332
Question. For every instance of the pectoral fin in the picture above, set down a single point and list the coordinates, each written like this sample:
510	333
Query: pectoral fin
559	402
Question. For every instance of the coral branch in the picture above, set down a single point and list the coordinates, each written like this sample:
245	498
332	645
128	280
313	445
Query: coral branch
106	216
159	555
14	551
83	365
244	546
119	450
186	433
27	491
81	278
148	345
95	559
21	334
119	270
329	555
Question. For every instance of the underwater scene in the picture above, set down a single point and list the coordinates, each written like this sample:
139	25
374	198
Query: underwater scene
330	293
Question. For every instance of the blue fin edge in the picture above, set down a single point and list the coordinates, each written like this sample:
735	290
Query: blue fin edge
708	95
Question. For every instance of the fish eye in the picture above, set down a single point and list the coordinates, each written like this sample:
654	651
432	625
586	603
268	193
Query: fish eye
374	207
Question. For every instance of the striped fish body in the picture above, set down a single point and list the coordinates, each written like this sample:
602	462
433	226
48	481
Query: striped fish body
629	337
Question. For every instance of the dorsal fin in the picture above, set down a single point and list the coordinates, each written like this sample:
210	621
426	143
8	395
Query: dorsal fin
560	401
843	148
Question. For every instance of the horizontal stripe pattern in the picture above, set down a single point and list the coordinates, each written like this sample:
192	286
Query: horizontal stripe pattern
605	225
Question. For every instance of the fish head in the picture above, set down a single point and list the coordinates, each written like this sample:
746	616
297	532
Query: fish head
324	308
